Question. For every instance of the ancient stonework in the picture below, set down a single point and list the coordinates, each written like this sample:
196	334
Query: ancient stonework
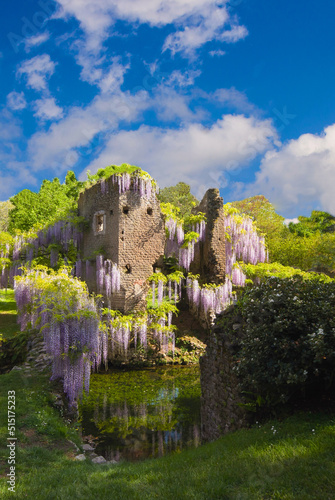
210	260
220	390
129	230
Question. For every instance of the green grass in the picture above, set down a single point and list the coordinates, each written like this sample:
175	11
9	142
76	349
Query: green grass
284	460
295	462
8	314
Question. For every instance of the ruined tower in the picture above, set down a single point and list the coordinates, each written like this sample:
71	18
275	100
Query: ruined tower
126	228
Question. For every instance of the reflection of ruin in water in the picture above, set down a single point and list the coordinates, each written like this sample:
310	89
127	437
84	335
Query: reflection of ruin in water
165	420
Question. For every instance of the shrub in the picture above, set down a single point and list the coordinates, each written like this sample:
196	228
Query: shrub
288	345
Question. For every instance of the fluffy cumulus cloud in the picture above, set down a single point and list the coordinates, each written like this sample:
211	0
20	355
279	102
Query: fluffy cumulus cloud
47	109
196	21
83	129
210	23
193	154
299	173
37	71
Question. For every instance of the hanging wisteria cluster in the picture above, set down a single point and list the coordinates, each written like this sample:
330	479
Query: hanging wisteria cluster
62	308
108	276
26	247
123	331
209	297
125	181
166	286
242	242
178	243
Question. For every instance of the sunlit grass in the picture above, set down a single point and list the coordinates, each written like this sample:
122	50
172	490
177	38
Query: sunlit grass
8	314
289	459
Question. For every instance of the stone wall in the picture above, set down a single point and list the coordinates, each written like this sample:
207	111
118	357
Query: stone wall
210	260
220	390
133	237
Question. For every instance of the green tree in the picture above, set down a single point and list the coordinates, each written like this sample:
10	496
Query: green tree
180	196
318	221
263	213
52	202
5	208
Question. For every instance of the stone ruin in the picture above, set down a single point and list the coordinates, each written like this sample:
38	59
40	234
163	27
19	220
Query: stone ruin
129	229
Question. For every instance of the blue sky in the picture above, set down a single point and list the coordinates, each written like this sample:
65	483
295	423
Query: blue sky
236	95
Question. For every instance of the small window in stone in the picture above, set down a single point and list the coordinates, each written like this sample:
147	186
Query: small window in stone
125	210
149	211
128	268
99	223
111	212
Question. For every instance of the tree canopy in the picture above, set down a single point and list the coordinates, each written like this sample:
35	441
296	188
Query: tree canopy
53	201
318	221
5	207
180	196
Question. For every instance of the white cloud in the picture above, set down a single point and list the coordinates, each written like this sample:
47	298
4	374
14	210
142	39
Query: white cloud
197	21
233	98
182	79
193	154
36	40
9	129
207	25
299	173
37	71
113	78
217	53
170	105
16	100
61	145
47	109
287	221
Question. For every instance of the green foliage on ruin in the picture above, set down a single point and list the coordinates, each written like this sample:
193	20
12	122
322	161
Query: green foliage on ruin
125	168
263	271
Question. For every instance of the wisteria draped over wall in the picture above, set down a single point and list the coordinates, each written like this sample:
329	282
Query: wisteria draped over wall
215	298
108	276
141	185
166	288
243	243
62	308
123	331
176	243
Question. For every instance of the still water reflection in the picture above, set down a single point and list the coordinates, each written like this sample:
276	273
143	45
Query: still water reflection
143	413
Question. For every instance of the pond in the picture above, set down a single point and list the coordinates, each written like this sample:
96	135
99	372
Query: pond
139	414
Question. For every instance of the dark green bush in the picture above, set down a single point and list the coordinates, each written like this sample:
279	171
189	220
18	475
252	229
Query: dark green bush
287	352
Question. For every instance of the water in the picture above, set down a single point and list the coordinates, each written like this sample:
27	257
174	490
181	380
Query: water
140	414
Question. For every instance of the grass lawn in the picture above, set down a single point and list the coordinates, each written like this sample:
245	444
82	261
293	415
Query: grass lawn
291	459
8	314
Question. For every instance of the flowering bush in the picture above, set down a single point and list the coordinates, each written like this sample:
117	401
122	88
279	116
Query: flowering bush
61	307
287	346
